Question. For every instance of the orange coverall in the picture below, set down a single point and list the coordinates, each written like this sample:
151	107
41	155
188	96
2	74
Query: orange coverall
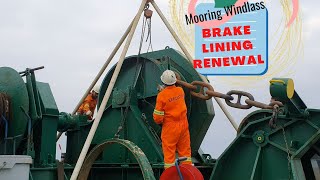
89	104
171	112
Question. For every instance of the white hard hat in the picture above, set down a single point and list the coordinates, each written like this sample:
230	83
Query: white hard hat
96	89
168	77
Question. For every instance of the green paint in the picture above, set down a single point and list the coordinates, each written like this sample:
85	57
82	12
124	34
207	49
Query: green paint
223	3
131	105
12	84
258	151
261	152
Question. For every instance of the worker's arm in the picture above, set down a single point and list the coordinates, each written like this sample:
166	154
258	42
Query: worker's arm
86	109
158	113
86	106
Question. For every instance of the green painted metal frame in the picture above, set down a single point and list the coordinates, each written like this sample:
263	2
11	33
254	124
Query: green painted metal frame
33	104
270	159
49	125
13	85
258	152
137	97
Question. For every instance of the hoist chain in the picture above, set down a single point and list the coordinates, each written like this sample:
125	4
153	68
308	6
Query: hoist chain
207	92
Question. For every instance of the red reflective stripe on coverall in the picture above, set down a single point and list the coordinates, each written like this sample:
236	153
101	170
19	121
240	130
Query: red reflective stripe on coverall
175	132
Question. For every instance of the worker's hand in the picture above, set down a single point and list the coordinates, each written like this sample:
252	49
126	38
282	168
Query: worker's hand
90	120
160	87
88	113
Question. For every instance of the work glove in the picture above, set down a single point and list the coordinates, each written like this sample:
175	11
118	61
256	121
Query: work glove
90	120
88	113
160	87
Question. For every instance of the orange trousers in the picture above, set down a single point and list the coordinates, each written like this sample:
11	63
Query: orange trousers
175	137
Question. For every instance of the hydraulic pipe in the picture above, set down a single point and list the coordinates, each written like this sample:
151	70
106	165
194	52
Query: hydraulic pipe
189	57
115	50
95	124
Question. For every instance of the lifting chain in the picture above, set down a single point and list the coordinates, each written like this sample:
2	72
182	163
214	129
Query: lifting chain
210	92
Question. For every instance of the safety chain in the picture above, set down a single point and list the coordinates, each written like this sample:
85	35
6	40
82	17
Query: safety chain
210	92
274	117
272	124
288	151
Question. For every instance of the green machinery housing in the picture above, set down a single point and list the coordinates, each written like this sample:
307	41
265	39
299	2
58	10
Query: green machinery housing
270	144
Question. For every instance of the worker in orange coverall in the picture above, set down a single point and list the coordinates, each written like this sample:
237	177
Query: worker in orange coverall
90	103
171	112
